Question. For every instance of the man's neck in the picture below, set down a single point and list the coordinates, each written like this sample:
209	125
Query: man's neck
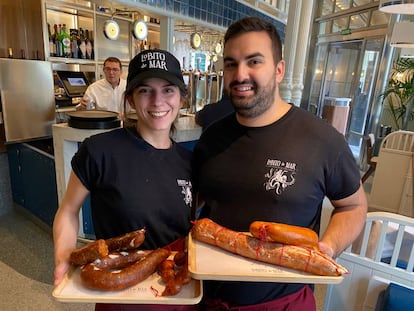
274	113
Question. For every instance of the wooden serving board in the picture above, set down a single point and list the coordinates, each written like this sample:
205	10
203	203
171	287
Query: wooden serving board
147	292
207	262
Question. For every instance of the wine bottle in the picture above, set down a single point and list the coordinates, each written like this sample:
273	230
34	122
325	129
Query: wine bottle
58	43
82	44
52	47
88	45
65	38
74	37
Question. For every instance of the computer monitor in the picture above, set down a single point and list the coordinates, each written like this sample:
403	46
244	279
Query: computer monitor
75	83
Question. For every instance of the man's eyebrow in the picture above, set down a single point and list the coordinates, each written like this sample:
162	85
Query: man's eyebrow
250	56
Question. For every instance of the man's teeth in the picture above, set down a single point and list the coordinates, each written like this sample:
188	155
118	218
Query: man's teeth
244	88
158	114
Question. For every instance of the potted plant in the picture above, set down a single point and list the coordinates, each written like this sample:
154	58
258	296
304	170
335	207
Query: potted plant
399	94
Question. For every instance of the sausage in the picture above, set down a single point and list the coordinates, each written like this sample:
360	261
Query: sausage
290	256
285	234
95	278
89	252
175	274
118	260
129	240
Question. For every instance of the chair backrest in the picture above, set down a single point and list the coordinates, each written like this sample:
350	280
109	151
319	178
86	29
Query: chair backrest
401	142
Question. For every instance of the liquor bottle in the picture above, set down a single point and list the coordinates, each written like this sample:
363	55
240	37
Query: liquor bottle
82	44
10	53
52	47
89	46
65	38
58	43
74	37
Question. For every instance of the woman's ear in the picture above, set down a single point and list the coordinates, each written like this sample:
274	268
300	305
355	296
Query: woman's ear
130	101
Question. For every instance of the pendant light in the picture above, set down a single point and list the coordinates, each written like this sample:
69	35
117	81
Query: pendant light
403	35
397	6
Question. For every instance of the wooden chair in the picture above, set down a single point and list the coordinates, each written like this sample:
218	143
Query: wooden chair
371	160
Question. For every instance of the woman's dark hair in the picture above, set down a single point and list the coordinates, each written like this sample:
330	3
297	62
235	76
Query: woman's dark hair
249	24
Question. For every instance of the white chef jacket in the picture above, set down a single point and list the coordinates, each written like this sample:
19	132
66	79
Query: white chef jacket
105	96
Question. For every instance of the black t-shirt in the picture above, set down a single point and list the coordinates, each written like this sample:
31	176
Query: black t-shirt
134	185
280	172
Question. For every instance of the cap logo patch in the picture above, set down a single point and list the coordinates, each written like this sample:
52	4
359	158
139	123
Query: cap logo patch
154	60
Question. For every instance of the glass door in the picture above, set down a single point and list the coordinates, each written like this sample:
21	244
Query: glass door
361	108
346	81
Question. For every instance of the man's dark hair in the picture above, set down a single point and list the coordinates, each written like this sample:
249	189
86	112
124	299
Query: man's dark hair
113	60
249	24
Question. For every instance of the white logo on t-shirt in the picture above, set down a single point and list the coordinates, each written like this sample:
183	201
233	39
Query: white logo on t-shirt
280	176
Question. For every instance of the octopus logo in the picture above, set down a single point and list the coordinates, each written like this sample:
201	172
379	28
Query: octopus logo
280	176
186	188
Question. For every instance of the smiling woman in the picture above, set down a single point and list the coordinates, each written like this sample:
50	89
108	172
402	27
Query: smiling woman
127	170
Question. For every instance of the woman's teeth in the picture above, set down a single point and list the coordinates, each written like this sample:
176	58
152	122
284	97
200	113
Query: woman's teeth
158	114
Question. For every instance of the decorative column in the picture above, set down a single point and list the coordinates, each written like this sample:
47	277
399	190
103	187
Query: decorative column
291	35
296	47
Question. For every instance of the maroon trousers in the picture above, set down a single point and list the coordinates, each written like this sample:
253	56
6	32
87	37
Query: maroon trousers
302	300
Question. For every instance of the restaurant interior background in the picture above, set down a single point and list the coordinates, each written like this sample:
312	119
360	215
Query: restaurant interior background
346	58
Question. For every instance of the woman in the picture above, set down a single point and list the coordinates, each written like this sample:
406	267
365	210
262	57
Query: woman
136	177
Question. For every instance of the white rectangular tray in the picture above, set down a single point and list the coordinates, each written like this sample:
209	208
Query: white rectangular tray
147	292
207	262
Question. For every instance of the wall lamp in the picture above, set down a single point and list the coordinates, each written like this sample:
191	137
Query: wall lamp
397	6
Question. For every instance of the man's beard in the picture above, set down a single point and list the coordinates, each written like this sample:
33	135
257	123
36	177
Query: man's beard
257	104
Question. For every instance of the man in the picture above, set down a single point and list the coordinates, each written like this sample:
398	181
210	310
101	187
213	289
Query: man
213	112
107	93
275	162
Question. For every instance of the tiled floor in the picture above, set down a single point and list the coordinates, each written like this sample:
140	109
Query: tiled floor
26	266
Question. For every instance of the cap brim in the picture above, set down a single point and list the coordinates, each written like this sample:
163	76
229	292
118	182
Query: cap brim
156	73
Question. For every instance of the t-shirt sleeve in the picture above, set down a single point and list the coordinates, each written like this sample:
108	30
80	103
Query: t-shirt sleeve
84	166
344	177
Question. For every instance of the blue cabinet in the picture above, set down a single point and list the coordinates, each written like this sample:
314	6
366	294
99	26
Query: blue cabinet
33	180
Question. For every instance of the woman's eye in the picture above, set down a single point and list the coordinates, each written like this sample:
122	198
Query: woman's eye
143	90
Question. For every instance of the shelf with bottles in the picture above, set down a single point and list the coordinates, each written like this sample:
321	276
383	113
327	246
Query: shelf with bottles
70	33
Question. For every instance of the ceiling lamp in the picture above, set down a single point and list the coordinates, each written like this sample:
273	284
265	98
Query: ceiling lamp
403	35
397	7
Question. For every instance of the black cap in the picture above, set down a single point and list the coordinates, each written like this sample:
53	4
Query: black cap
154	64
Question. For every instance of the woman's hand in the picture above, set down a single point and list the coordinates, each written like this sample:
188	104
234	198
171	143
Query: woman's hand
60	271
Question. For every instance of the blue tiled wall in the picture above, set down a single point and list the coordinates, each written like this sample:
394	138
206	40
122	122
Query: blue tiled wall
218	12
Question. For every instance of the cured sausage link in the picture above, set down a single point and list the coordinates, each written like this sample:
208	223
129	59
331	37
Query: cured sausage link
285	234
94	278
89	252
129	240
290	256
118	260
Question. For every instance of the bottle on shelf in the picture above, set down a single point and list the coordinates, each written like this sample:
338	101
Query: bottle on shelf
10	53
89	44
74	38
52	46
82	44
65	38
58	43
